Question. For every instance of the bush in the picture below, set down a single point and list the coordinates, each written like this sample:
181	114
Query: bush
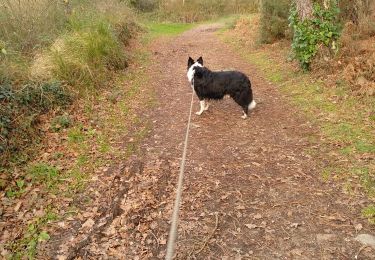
61	122
273	20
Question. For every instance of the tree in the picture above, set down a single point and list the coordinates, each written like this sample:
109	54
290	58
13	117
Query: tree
304	9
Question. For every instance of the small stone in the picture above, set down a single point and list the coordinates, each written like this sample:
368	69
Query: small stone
366	239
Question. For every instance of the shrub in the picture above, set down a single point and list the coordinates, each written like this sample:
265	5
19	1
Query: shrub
273	20
61	122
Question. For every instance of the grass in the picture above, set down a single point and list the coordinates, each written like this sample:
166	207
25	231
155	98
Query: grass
156	30
44	174
346	128
369	213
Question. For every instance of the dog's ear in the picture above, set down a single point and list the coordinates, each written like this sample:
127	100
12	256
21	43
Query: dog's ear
190	62
200	60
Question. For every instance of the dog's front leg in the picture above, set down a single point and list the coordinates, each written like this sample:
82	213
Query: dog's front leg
207	105
203	106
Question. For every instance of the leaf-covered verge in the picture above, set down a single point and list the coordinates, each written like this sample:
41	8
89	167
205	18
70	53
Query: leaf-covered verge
77	48
345	143
77	146
73	168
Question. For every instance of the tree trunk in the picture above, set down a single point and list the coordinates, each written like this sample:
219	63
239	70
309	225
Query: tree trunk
304	9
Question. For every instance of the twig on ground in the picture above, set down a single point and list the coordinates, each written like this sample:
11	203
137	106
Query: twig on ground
211	235
360	250
156	239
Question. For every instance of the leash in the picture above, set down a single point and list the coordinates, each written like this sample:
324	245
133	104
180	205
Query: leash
173	231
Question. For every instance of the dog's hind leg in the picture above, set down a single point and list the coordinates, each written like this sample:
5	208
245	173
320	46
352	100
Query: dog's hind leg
203	106
245	112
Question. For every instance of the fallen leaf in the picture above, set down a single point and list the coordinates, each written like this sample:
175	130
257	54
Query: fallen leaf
43	236
297	252
240	207
257	216
295	225
18	206
358	227
251	226
88	224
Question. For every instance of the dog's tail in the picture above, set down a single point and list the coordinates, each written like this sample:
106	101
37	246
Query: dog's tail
252	105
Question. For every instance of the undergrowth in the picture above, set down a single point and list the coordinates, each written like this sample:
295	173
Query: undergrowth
52	53
310	34
19	111
191	11
273	20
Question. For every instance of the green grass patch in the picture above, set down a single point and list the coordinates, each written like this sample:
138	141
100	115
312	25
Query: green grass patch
76	135
44	174
369	213
156	30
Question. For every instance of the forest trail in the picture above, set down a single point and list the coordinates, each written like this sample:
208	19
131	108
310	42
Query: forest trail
251	190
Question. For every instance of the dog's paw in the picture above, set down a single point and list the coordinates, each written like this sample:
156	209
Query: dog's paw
199	113
244	116
206	107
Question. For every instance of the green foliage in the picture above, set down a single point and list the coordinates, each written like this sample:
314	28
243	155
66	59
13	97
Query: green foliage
17	190
76	135
322	29
61	122
369	213
273	20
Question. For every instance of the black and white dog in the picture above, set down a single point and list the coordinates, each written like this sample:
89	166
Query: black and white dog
214	85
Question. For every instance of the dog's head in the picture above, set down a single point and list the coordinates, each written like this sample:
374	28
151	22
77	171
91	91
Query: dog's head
191	62
191	66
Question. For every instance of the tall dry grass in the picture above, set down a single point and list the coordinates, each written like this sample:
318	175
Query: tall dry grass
29	24
190	11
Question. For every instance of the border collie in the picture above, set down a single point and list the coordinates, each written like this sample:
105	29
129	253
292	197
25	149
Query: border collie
214	85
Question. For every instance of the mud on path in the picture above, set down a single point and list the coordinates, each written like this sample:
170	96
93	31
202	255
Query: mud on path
251	191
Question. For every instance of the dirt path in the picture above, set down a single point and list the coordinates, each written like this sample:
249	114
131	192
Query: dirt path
251	191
